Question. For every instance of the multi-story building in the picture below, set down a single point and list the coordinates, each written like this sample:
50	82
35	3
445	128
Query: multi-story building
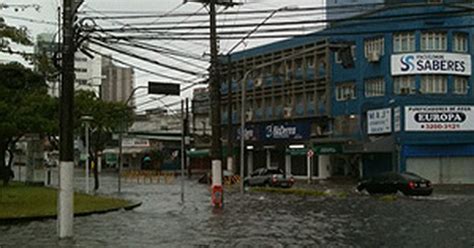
388	90
88	73
88	70
117	82
339	9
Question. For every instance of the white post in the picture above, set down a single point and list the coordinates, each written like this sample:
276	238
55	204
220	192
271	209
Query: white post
66	199
249	162
87	156
308	167
230	162
288	164
269	158
99	162
216	173
323	161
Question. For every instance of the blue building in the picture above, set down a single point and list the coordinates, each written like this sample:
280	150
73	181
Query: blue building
386	90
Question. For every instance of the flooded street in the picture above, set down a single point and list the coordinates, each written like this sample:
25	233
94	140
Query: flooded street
259	220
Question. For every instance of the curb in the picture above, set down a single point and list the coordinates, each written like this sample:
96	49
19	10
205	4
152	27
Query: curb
19	220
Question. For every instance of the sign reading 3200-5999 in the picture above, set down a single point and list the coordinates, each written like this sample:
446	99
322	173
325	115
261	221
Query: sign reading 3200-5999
431	63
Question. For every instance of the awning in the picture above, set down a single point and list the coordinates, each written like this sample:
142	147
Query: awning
127	150
383	144
202	153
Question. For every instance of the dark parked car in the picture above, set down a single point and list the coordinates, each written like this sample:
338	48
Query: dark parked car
390	183
273	177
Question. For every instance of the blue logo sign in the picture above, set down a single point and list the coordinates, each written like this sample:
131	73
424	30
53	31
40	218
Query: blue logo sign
407	63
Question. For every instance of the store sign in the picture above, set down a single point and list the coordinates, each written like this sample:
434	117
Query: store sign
297	131
250	134
132	142
379	121
328	149
431	63
439	118
396	119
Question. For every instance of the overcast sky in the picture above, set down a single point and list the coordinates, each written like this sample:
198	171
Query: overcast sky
48	15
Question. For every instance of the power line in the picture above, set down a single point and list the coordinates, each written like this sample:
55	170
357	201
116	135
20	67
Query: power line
137	67
362	18
102	44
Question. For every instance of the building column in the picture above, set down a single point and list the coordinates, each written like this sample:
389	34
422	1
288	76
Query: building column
288	164
249	162
269	158
323	168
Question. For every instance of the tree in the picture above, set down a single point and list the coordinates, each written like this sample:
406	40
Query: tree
9	34
25	107
108	118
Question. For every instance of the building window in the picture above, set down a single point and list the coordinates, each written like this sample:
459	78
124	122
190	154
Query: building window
374	48
345	92
81	81
80	70
435	1
404	42
374	87
404	85
460	85
460	42
339	59
434	84
434	41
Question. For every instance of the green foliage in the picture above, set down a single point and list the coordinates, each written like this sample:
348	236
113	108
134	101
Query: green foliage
18	201
108	117
25	106
9	34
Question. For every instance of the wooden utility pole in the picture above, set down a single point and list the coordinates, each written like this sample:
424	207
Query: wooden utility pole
66	123
216	146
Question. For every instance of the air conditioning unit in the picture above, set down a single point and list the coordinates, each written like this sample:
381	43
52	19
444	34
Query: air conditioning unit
404	91
374	56
287	112
249	115
258	82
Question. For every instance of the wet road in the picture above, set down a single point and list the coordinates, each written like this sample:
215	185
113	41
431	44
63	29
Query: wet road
261	220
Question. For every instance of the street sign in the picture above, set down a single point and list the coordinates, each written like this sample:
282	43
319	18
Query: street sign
310	153
163	88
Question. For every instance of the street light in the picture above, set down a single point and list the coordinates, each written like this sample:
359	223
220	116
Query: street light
122	129
87	119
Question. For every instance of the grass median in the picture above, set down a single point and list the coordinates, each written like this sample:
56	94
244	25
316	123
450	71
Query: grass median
22	201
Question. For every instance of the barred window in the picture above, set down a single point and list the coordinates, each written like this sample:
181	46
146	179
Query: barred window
372	46
434	41
374	87
434	84
460	85
345	92
460	42
404	42
404	85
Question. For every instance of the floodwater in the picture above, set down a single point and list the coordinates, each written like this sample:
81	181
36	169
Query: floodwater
258	220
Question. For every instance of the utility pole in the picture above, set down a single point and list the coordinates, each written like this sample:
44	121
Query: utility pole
216	147
66	156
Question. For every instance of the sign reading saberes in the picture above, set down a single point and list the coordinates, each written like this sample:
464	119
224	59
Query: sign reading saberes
431	63
439	118
297	131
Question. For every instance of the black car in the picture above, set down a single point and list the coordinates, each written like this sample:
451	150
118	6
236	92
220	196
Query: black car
390	183
273	177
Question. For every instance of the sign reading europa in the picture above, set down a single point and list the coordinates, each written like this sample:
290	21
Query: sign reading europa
439	118
431	63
